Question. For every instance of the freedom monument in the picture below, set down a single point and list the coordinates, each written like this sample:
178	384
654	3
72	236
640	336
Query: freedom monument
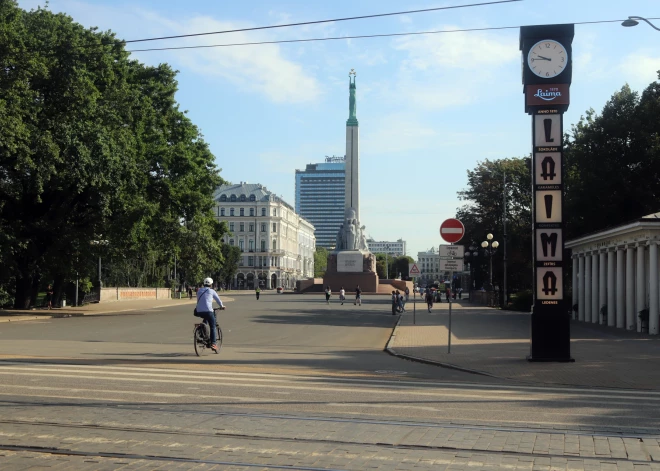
351	263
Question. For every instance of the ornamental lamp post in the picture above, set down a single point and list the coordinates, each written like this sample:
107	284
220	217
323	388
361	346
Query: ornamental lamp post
99	242
632	21
471	254
490	247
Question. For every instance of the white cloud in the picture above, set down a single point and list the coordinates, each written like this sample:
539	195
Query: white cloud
263	69
459	50
640	68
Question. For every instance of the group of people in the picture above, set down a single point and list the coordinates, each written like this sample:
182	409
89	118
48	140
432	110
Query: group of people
399	301
342	295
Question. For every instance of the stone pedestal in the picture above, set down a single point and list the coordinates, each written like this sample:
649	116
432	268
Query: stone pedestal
344	269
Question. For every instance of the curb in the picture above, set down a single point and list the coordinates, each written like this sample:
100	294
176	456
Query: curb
449	366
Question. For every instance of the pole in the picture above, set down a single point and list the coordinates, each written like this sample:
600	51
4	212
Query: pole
451	278
490	253
387	272
414	301
99	275
76	288
504	274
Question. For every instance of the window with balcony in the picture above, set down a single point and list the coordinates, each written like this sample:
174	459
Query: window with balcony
263	211
241	245
241	227
251	227
251	211
231	227
222	211
251	245
242	211
231	211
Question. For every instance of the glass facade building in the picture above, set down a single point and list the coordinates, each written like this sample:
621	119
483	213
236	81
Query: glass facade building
320	195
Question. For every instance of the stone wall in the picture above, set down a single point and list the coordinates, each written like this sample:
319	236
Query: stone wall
132	294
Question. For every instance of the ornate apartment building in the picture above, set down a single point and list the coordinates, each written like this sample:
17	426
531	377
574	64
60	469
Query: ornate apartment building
278	245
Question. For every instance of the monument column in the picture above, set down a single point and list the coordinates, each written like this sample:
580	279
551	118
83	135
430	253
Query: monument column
352	200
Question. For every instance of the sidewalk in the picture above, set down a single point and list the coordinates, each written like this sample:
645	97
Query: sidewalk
118	307
496	343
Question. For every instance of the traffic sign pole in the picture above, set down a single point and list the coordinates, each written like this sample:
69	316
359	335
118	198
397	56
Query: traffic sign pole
451	279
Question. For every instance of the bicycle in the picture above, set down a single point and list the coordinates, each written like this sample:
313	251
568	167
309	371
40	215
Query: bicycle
202	335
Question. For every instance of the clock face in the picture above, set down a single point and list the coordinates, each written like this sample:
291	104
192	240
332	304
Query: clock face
547	58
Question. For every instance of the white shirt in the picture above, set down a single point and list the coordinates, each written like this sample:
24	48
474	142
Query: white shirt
342	292
205	297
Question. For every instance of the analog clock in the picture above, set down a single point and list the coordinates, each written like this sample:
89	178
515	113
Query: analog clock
547	58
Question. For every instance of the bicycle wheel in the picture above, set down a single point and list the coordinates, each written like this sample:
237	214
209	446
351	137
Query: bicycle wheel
199	341
219	341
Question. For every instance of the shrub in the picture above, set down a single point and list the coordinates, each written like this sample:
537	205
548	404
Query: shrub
522	301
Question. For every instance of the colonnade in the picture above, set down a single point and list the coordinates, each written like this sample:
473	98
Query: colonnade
613	284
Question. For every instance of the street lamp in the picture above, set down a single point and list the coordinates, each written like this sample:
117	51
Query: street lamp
490	246
632	21
99	242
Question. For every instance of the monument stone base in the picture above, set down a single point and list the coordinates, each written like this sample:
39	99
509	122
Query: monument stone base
344	269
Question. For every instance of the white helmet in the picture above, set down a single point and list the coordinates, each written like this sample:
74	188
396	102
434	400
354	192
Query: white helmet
208	281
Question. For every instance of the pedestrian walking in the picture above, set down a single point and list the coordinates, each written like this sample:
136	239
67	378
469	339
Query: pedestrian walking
49	296
342	295
399	299
407	293
429	299
327	294
448	293
358	296
394	302
189	292
257	291
460	293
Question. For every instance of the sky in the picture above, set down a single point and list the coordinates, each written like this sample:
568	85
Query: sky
430	107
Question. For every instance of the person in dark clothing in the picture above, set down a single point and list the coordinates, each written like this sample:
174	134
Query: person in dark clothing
395	302
358	296
49	297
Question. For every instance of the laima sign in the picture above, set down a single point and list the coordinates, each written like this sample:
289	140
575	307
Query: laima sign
452	230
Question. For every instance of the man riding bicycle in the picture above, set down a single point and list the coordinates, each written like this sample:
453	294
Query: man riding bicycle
205	297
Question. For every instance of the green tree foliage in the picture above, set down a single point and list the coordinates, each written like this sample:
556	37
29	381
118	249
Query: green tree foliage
395	265
231	256
484	213
613	162
320	262
94	147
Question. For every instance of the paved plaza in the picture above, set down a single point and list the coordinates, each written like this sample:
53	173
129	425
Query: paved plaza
300	384
496	343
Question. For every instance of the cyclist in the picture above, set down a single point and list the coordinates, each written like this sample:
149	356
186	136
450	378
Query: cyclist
205	297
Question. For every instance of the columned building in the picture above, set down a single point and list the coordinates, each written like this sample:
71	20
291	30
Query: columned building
615	276
396	248
320	195
429	263
278	245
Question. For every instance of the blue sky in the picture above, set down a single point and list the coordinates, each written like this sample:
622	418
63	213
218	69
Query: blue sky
430	107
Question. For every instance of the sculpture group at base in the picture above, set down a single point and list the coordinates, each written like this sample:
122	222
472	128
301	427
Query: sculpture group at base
351	235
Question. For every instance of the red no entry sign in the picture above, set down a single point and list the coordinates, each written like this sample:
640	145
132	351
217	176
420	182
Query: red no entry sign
452	230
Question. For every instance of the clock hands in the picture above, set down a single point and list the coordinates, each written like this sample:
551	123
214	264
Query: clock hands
542	58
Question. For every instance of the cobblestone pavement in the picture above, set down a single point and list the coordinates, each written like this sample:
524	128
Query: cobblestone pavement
496	343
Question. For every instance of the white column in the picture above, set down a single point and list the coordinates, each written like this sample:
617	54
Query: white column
574	285
620	290
594	288
587	287
640	284
611	306
581	288
653	284
602	280
630	288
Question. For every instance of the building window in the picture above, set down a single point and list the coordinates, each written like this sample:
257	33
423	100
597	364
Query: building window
250	261
241	244
274	244
223	198
263	245
231	242
274	227
231	211
222	211
274	212
251	227
242	197
242	212
263	211
241	227
231	227
253	198
251	246
263	227
232	198
251	211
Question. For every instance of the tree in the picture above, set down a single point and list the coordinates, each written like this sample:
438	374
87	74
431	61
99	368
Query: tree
94	148
484	213
231	257
320	262
615	154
